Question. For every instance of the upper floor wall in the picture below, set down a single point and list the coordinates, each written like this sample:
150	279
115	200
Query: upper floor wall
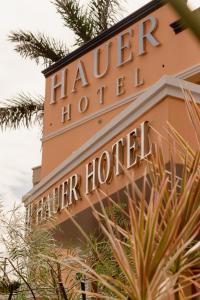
94	83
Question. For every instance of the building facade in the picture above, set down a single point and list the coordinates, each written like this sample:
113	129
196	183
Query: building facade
105	104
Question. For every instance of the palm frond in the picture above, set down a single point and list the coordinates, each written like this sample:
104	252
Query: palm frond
77	19
164	252
104	13
158	253
38	47
22	110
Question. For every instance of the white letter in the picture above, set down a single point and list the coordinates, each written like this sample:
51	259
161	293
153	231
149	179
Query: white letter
91	176
56	200
132	147
120	86
66	113
57	195
101	93
74	185
65	194
121	46
105	167
96	67
145	146
55	85
138	80
83	104
147	36
118	150
80	75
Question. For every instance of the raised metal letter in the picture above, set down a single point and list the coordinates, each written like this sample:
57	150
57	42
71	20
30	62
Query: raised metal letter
74	184
105	167
83	104
138	80
55	85
118	153
145	148
121	46
80	76
148	35
92	176
66	113
101	93
96	67
132	147
120	86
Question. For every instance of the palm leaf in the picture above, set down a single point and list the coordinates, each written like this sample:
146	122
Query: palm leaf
22	110
77	19
161	238
104	13
38	47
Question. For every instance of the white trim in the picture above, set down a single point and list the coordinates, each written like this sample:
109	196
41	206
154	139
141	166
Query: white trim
182	75
166	86
187	73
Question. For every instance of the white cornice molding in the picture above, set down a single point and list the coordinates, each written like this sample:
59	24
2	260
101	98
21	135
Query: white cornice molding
189	72
182	75
166	86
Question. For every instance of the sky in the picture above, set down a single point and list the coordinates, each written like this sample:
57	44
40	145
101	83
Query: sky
20	150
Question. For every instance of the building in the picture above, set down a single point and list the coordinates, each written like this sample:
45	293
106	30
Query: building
104	104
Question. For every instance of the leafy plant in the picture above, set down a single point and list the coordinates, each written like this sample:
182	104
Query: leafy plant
31	260
24	109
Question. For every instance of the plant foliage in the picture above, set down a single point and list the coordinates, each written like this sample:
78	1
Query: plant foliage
38	47
30	264
86	23
158	253
77	19
22	110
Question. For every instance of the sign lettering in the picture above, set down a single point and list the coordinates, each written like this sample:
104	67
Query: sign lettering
126	153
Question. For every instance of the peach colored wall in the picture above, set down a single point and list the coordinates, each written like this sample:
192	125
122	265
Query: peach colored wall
170	57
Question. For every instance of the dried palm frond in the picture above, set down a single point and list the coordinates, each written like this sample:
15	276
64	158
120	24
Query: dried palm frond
158	253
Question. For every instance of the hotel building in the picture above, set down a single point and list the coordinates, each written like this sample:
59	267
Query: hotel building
105	103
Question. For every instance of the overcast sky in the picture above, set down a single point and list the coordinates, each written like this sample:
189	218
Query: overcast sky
20	150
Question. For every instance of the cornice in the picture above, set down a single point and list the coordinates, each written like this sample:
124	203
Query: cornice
105	35
166	86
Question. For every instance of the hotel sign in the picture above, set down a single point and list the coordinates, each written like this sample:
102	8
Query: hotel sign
126	153
67	83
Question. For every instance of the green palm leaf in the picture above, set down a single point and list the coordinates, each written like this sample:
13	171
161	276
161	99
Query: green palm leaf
77	19
38	47
104	13
22	110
